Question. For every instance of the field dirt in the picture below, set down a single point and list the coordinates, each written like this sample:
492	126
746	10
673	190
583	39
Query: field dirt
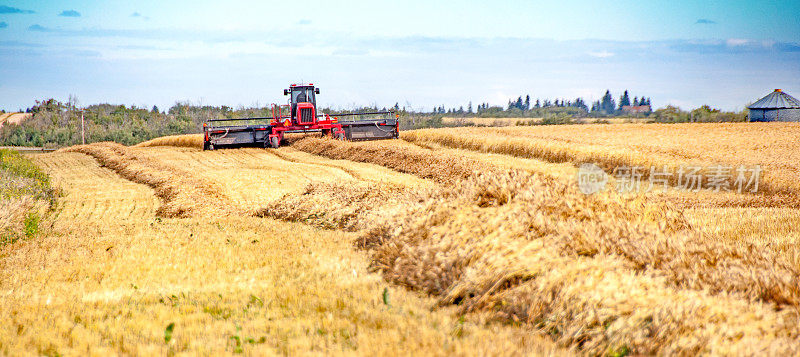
13	118
446	242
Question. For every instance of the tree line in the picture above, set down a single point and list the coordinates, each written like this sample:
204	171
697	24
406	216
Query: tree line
55	123
528	107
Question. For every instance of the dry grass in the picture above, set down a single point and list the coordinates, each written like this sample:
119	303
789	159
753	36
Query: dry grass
188	141
503	242
13	118
486	121
497	122
112	276
182	194
496	237
771	145
397	155
25	196
534	260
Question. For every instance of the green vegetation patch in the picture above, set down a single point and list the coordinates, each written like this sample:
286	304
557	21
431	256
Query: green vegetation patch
21	177
24	190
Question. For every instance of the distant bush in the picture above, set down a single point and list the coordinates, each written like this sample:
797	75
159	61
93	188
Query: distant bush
670	114
704	114
59	124
551	119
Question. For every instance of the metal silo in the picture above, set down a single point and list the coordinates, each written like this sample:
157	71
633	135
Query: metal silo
776	106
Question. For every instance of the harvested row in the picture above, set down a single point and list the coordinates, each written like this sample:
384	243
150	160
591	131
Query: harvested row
445	168
182	194
189	141
516	259
103	195
111	277
533	249
351	207
670	244
481	243
493	236
773	184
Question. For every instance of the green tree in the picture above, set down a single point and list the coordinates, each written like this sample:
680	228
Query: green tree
624	100
607	104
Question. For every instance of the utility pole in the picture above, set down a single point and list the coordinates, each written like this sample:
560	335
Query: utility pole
83	137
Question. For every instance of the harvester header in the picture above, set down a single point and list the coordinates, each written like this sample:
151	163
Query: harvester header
299	115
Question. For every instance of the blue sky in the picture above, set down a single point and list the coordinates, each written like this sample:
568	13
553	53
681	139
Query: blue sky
417	53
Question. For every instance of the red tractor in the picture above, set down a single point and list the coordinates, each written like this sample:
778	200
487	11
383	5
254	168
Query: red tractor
300	115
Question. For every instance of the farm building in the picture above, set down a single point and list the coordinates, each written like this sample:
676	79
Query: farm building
776	106
636	109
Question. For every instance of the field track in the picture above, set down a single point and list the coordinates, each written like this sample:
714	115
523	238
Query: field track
491	235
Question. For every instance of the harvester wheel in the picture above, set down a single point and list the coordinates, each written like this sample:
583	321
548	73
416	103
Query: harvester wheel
275	142
208	146
340	136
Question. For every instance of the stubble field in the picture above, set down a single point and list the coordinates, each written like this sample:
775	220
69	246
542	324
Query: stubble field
448	241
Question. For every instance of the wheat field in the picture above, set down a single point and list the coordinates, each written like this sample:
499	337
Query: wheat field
113	274
458	241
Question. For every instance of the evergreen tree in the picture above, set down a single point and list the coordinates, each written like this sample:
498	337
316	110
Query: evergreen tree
607	104
635	101
580	104
624	100
538	105
469	107
155	109
527	102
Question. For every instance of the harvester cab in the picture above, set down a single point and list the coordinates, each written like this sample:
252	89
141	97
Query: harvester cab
300	115
303	95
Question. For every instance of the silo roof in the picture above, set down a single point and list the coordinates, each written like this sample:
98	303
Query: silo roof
776	100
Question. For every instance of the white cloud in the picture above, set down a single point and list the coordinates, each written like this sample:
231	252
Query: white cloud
601	54
734	42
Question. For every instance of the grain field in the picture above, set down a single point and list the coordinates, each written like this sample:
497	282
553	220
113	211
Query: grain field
467	241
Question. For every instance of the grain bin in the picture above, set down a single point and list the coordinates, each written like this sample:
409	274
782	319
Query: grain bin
776	106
